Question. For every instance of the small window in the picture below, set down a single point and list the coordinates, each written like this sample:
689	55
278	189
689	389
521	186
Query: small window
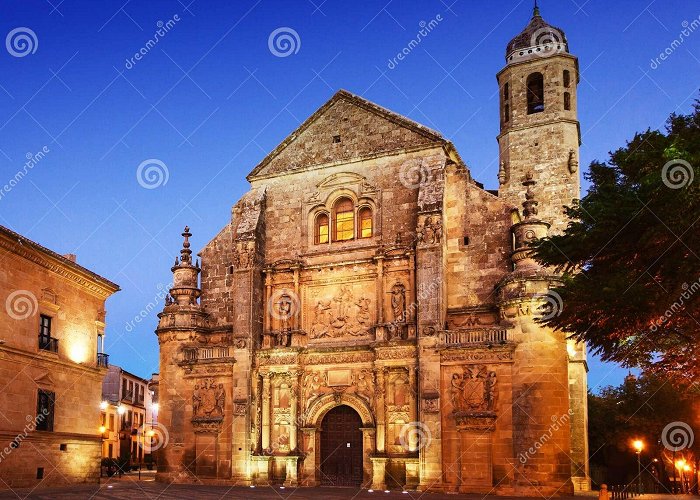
45	342
567	78
44	410
365	217
506	113
63	447
506	91
40	473
535	93
111	422
567	101
344	220
321	229
336	139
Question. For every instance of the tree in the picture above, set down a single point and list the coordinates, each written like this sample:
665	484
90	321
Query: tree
630	256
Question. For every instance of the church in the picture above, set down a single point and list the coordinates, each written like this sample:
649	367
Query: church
370	314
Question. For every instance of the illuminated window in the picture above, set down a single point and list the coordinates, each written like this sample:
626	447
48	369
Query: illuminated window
535	93
344	220
321	229
365	217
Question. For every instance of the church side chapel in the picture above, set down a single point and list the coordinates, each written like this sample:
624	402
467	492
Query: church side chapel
368	316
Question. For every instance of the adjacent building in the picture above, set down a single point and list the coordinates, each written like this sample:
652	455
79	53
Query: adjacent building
127	416
52	322
369	314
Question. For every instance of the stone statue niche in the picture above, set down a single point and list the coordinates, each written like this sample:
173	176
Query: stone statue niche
284	310
397	327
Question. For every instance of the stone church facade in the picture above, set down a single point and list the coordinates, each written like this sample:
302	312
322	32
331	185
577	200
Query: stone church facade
368	317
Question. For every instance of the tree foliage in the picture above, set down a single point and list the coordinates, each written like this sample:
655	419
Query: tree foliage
630	256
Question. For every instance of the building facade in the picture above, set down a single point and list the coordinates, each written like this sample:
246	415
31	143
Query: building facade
369	315
127	416
51	365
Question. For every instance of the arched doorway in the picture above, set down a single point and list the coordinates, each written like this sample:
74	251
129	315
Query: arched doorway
341	447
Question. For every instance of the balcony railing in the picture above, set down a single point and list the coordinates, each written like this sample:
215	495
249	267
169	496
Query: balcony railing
128	396
194	354
479	336
48	344
102	360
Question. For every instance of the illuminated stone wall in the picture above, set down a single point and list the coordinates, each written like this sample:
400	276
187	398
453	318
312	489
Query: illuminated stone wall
35	281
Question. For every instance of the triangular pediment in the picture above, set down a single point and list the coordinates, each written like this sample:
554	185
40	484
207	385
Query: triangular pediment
346	128
44	379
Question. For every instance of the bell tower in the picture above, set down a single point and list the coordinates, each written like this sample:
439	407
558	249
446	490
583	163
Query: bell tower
540	132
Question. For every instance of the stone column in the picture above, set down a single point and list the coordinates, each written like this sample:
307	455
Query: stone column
412	291
308	475
380	289
475	474
296	322
293	411
266	312
381	391
369	435
379	473
266	411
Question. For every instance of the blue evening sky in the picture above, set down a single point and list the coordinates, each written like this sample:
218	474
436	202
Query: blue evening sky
210	99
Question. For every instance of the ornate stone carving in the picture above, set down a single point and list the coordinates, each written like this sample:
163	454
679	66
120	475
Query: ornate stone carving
239	409
398	303
429	230
502	173
573	162
244	256
341	315
396	353
332	358
490	356
474	390
208	399
431	405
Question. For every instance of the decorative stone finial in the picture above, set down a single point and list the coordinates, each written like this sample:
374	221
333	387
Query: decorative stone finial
530	203
186	253
536	10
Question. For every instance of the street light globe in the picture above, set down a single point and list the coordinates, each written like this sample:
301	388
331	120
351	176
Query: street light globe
103	405
155	407
638	445
680	464
686	467
121	410
103	429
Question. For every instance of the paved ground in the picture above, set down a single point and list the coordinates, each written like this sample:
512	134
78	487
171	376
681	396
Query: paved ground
130	488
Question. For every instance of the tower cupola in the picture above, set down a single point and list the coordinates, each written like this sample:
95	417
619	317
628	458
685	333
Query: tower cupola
538	39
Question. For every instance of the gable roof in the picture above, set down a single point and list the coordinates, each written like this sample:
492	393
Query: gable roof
363	129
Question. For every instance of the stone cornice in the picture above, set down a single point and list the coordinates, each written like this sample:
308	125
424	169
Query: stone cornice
48	259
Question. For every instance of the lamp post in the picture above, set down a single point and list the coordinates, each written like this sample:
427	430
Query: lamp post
639	446
682	467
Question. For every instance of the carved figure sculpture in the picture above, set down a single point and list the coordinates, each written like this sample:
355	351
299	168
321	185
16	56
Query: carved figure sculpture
398	303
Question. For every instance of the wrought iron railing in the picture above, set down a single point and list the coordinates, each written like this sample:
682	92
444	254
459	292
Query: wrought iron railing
48	344
102	360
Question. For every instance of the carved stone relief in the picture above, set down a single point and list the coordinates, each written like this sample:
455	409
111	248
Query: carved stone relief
340	312
474	390
429	229
208	399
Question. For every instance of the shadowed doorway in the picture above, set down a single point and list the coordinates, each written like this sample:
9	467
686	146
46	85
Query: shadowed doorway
341	448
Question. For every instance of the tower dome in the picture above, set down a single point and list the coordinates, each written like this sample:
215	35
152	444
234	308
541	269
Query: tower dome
538	39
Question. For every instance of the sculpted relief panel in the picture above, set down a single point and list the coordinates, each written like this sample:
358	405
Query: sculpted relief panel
340	312
208	399
473	390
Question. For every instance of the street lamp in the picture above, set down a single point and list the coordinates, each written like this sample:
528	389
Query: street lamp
682	466
638	445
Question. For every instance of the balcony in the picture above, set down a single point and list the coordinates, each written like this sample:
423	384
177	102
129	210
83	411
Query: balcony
479	336
49	344
128	396
102	360
199	354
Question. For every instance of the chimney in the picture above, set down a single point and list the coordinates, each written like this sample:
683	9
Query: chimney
71	257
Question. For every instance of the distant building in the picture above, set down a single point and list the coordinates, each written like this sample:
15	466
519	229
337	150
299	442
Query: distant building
127	416
52	323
